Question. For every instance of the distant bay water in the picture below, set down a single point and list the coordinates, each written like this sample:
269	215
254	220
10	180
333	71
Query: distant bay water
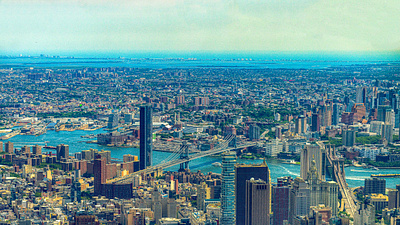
160	60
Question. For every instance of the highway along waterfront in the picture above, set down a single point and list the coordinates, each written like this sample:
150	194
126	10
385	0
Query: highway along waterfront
355	176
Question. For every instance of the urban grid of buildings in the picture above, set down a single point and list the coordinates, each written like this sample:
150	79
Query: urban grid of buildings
289	114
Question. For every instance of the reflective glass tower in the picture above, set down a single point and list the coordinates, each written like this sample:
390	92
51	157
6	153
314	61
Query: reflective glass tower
146	141
228	189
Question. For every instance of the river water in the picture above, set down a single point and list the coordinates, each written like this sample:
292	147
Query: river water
354	176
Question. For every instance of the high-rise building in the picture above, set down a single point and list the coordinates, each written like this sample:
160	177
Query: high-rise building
258	202
37	150
128	118
374	186
201	101
387	132
349	138
301	125
315	122
335	114
113	120
376	127
394	198
299	199
62	152
281	201
385	113
308	154
278	132
359	112
326	114
146	139
364	214
1	146
361	95
99	170
243	173
254	132
203	193
25	149
228	189
9	147
180	100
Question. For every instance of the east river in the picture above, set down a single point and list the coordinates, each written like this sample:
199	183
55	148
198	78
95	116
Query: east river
354	175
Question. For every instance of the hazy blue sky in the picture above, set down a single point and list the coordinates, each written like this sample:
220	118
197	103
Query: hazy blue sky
209	25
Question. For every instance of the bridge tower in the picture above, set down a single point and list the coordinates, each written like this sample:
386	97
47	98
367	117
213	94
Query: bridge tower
233	142
184	155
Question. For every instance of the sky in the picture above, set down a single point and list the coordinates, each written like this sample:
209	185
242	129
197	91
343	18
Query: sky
44	26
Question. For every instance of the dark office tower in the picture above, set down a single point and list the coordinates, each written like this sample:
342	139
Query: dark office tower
99	170
146	139
258	202
394	198
62	152
244	172
374	186
9	147
281	203
335	115
1	146
315	122
37	150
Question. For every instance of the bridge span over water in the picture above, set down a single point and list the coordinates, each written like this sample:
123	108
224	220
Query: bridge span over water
182	157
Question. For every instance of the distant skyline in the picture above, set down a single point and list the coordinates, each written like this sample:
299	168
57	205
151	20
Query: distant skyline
47	26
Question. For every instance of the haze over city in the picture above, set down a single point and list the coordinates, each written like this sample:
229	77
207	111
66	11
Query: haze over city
199	112
45	26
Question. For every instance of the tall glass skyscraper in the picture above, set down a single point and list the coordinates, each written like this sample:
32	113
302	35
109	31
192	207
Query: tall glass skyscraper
228	188
146	139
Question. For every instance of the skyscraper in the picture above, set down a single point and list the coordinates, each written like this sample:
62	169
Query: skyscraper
281	200
301	125
62	152
243	173
254	132
228	189
387	132
335	115
349	138
37	150
9	147
99	170
299	199
113	120
258	198
315	122
146	139
385	113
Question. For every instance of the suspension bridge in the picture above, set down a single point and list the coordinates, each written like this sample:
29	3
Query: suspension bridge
181	156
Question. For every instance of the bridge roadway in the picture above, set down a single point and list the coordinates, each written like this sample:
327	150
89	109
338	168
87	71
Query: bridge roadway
162	166
347	195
